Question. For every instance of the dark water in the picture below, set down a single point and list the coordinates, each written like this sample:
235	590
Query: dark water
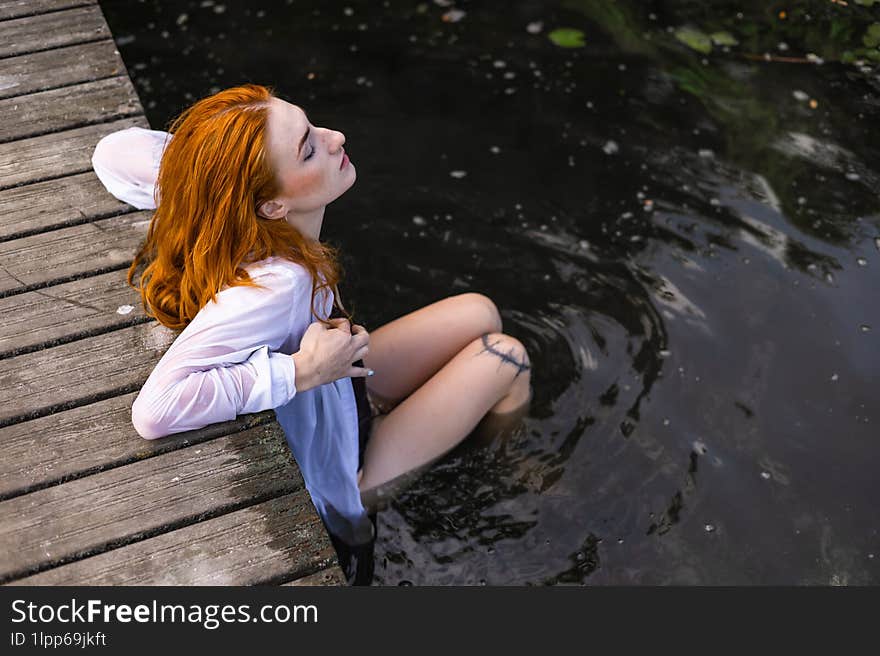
688	244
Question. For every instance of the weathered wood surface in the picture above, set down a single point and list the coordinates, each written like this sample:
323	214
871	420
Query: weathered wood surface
135	501
331	576
62	254
90	439
52	30
62	313
55	203
83	498
60	109
80	372
17	8
265	543
62	67
57	154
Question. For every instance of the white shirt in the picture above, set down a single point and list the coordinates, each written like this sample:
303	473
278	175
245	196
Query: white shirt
234	357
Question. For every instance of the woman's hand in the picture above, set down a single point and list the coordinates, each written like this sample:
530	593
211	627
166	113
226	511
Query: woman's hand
325	354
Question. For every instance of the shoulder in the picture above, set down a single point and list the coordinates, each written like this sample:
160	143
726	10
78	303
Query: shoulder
278	268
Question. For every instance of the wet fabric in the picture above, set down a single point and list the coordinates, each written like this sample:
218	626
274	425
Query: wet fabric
235	358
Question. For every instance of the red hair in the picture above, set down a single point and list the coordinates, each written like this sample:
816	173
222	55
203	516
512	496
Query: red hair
213	175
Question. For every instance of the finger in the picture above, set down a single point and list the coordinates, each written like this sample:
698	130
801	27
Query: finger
360	353
357	328
361	339
341	324
360	372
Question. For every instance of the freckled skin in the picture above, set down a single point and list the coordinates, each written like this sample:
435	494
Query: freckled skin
309	183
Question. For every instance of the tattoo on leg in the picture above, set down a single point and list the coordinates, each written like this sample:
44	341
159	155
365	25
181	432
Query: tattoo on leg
505	357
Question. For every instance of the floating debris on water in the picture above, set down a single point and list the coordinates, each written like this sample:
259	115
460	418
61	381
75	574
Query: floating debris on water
494	150
800	95
453	16
664	353
458	174
666	422
610	147
706	152
862	261
700	448
877	242
535	27
498	63
710	528
865	328
765	475
419	221
834	377
124	309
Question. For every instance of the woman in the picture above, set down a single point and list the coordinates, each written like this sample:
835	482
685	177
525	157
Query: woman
233	258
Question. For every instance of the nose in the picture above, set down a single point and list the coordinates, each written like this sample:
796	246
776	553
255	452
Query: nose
336	139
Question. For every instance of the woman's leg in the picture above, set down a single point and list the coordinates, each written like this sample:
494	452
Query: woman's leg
490	374
406	352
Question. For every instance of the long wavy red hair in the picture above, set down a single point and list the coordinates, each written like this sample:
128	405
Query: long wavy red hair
213	175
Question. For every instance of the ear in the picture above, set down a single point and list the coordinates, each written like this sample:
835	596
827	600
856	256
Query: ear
271	209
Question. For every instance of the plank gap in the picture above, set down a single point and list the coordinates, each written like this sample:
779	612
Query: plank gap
69	224
69	405
58	86
58	281
160	446
74	337
144	535
36	50
108	118
48	10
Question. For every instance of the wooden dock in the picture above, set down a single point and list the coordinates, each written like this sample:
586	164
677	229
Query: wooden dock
84	500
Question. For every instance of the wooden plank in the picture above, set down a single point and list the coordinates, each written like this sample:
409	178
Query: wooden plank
62	109
330	576
126	504
47	31
61	67
89	439
55	203
15	8
57	154
74	374
261	544
73	310
71	252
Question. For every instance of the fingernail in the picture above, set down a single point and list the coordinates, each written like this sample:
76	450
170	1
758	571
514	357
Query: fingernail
370	372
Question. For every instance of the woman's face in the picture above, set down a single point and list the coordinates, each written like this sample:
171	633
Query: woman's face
309	161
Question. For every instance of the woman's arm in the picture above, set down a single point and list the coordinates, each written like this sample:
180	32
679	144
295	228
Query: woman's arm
127	163
225	362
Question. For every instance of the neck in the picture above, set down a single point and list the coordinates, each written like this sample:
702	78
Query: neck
308	223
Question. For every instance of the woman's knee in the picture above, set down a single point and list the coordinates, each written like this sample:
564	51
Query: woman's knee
507	352
488	311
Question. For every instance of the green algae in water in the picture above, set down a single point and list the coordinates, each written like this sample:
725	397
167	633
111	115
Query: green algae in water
694	38
567	37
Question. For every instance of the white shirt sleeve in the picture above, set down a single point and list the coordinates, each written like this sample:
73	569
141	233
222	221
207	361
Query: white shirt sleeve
127	163
226	361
